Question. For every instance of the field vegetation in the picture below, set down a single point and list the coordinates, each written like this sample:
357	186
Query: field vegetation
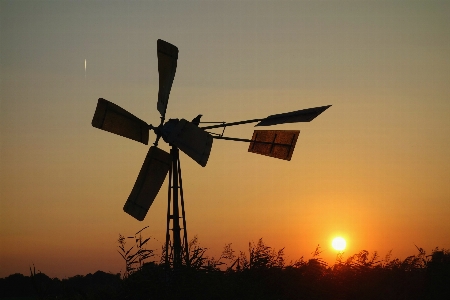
261	272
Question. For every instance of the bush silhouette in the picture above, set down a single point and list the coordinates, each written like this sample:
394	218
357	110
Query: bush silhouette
259	273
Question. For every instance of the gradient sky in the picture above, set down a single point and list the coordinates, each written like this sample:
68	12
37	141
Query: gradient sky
374	168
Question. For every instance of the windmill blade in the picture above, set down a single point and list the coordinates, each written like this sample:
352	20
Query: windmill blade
167	65
274	143
190	139
304	115
148	183
111	117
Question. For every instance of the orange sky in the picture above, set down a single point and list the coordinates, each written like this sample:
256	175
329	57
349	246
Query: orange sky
373	168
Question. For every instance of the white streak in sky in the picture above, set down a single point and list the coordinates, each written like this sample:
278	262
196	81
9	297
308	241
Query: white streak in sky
85	68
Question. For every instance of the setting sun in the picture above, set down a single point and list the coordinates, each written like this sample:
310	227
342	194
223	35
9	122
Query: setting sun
338	243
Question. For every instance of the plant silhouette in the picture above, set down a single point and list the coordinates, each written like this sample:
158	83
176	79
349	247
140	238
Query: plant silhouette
261	272
138	256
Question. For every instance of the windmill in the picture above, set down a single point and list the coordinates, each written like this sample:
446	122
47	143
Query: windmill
191	139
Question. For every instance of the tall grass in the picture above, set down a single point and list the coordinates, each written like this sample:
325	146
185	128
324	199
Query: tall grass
260	272
135	256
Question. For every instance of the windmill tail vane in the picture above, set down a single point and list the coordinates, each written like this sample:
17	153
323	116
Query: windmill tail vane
191	139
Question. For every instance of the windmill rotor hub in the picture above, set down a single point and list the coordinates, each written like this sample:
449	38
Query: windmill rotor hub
168	128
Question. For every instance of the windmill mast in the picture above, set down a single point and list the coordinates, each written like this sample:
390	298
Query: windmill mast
176	188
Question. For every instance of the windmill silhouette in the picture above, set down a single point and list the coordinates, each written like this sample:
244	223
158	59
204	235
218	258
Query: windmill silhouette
193	140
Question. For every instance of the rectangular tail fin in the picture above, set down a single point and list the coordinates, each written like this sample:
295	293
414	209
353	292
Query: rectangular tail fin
274	143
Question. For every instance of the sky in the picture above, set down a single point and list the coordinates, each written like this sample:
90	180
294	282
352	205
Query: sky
374	168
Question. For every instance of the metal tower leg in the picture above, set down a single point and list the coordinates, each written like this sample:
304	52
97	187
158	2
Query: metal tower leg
178	252
185	238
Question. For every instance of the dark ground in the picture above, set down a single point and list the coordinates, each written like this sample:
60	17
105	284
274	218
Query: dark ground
263	274
310	281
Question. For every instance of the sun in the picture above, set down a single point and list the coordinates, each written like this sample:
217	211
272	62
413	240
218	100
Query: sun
338	243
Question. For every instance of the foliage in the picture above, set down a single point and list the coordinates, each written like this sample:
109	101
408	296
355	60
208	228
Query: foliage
136	257
261	257
260	273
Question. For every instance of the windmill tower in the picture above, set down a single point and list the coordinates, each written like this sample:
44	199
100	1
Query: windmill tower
191	139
